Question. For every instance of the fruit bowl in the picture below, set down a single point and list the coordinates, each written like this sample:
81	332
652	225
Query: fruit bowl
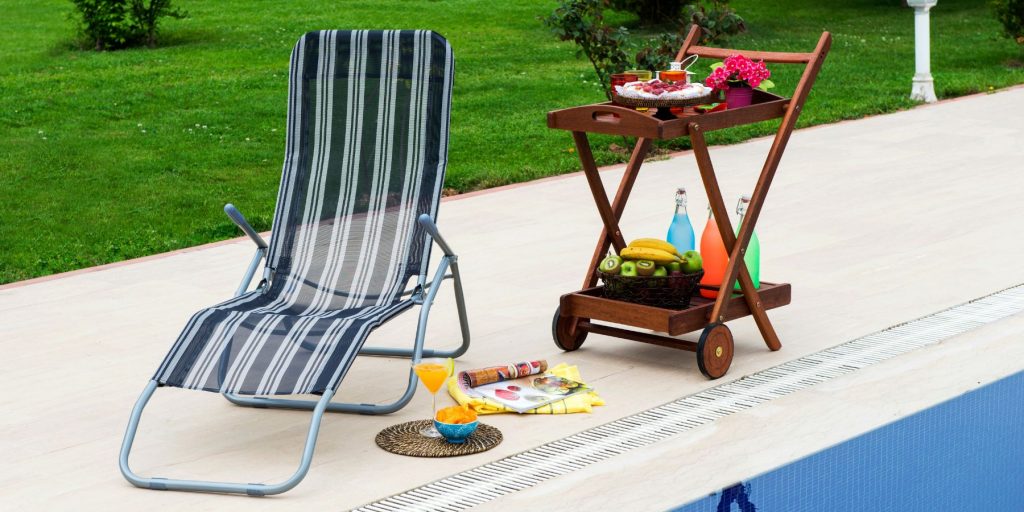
456	433
673	291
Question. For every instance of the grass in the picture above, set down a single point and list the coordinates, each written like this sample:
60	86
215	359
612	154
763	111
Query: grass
109	156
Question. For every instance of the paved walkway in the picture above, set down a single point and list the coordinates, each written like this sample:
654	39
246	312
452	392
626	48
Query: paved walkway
874	221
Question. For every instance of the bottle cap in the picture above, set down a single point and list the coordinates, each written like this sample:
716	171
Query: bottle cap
681	196
741	205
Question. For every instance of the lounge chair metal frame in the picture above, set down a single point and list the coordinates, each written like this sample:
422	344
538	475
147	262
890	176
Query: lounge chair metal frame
422	294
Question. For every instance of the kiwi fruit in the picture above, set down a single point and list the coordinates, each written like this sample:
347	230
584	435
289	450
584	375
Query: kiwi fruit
645	268
611	265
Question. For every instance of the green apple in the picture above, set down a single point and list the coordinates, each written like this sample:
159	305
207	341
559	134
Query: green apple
611	265
674	266
628	269
692	262
645	267
660	271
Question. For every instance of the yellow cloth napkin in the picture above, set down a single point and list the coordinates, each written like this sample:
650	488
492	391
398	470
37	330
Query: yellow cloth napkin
582	402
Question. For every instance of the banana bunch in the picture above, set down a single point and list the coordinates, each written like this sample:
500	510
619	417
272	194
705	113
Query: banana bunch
651	257
658	251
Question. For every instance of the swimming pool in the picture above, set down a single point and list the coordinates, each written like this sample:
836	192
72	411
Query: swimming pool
965	454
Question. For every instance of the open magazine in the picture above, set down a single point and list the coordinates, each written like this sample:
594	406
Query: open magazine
530	390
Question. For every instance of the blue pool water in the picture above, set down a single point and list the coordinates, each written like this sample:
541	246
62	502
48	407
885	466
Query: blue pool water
966	454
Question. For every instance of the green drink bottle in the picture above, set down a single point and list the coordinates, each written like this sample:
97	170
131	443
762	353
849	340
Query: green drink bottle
753	256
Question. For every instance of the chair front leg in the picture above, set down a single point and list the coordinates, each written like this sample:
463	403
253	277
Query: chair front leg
171	484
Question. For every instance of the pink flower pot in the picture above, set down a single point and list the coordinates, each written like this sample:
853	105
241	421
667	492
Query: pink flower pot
739	96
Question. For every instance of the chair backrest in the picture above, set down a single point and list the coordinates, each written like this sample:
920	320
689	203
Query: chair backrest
367	147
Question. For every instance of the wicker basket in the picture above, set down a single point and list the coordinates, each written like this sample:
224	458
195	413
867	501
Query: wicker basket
710	97
663	291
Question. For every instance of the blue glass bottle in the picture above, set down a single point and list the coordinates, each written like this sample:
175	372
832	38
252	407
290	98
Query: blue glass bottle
680	231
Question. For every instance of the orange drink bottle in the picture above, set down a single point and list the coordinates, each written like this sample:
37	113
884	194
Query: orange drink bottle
712	251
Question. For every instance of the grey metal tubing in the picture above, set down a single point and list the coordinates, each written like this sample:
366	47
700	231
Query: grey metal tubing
239	220
429	225
425	285
251	271
251	489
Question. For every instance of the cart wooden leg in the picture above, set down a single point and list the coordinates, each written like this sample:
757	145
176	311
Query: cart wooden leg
736	248
610	213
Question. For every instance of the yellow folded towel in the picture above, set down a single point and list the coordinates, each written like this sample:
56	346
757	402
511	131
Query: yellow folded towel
582	402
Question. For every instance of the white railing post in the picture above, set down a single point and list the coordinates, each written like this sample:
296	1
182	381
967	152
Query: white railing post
923	88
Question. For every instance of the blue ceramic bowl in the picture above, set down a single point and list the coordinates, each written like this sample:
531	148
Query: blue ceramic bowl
456	433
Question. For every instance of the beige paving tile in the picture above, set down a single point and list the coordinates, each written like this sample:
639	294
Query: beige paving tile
874	222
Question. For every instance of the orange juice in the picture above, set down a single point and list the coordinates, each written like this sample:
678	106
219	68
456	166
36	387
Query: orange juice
712	251
432	375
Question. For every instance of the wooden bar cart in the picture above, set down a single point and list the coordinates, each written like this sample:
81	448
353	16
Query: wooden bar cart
579	312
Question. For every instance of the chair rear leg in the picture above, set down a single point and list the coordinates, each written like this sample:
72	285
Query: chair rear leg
251	489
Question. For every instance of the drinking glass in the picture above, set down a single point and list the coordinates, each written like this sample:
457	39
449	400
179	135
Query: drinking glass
621	79
642	75
433	373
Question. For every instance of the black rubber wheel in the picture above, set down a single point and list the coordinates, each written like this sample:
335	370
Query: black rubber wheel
714	350
563	330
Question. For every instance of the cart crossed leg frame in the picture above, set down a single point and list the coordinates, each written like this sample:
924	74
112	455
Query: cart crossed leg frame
715	347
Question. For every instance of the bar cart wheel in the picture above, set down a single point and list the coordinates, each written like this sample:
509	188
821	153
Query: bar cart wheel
564	330
714	350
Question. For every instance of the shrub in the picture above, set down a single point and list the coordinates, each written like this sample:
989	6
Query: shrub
582	22
147	14
113	24
651	12
105	23
1011	14
607	48
718	20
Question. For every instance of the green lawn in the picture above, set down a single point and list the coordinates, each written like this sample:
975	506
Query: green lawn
108	156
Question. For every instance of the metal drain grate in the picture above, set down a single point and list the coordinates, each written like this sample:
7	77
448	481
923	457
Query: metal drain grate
526	469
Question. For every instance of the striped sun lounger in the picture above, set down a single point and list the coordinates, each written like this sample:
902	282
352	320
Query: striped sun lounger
367	146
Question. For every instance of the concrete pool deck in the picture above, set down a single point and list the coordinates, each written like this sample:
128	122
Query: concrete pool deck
874	222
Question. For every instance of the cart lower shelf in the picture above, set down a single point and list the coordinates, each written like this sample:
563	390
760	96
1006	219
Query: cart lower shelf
590	304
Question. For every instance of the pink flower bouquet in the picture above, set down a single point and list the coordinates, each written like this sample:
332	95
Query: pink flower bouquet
737	70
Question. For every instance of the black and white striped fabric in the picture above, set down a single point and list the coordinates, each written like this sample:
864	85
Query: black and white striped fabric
367	147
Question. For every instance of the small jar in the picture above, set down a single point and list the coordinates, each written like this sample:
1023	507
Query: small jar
675	73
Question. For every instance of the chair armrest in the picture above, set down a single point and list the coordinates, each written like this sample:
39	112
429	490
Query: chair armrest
239	220
429	225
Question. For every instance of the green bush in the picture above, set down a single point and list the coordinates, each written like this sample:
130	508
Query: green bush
582	22
608	48
718	20
651	12
1011	15
113	24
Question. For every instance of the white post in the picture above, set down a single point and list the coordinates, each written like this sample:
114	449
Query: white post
923	88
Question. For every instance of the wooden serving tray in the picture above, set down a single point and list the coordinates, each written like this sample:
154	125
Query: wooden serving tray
611	119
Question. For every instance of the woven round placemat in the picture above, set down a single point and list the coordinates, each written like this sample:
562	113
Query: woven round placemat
405	439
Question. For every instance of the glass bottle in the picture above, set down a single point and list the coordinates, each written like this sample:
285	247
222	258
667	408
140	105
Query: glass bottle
752	258
680	231
712	251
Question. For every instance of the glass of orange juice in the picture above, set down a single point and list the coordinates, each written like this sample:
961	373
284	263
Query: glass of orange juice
433	373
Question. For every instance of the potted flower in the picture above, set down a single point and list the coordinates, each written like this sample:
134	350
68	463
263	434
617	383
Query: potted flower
738	76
